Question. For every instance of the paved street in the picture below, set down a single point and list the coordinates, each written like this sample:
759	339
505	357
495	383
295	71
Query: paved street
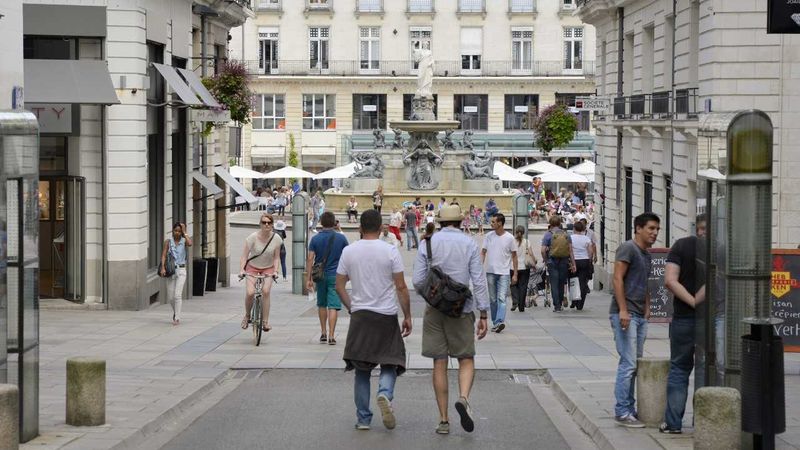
304	408
158	375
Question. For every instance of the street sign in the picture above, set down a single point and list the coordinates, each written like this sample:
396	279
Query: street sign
783	16
592	103
210	115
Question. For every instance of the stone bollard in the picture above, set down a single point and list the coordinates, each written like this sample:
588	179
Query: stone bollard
9	416
717	418
651	389
86	391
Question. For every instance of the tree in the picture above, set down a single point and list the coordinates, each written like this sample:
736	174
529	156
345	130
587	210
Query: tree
555	127
292	155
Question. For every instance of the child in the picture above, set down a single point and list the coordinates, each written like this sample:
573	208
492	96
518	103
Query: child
479	218
465	222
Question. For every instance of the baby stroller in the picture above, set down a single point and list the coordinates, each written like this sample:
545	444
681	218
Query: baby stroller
538	287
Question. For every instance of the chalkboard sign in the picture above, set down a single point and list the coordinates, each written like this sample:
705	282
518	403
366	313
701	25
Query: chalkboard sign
660	296
786	296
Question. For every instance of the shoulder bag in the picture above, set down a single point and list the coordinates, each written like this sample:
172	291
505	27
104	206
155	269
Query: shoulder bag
529	261
169	262
442	292
318	269
262	251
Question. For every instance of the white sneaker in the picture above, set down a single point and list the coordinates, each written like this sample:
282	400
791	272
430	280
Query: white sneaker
387	414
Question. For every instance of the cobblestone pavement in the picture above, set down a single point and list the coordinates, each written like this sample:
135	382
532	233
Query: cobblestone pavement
157	371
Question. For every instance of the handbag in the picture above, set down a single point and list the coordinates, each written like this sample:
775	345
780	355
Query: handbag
529	261
169	264
318	269
442	292
574	289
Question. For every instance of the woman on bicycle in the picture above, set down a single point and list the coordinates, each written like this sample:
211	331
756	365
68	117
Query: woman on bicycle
261	256
176	246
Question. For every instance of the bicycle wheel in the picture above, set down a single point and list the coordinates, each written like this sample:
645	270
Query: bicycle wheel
255	317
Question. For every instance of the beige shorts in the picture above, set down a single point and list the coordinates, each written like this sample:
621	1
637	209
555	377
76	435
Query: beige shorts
444	336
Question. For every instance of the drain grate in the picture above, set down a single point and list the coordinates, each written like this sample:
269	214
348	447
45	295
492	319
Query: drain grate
247	374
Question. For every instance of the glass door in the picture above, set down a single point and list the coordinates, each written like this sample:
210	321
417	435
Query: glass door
61	237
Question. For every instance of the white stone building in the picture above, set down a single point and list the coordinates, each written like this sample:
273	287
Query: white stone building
329	72
113	179
664	63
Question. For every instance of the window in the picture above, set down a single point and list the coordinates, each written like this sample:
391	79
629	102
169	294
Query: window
420	5
573	48
567	4
520	111
268	50
37	47
52	154
472	111
156	130
318	4
220	56
407	105
269	4
522	48
369	6
648	191
269	113
471	49
369	111
470	6
420	38
318	47
628	203
319	112
522	6
370	42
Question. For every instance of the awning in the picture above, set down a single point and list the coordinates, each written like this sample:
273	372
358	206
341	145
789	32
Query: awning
236	186
337	173
199	89
85	82
211	188
507	173
176	83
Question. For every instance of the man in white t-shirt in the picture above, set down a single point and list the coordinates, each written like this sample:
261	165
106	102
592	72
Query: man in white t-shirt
499	254
387	237
375	271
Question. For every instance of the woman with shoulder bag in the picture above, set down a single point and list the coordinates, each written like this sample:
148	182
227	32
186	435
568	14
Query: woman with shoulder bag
261	256
525	261
175	247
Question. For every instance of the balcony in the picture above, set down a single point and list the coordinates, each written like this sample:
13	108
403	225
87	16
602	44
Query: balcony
522	7
471	7
567	9
656	106
269	6
399	68
318	6
369	7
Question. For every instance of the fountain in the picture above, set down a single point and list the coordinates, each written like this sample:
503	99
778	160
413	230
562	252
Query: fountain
422	166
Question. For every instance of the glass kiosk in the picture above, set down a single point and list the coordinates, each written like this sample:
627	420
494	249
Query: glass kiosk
19	263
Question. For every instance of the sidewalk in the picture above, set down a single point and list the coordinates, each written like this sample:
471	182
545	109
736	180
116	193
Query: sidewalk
156	370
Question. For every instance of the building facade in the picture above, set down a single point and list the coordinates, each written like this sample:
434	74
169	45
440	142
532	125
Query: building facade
326	73
664	64
116	172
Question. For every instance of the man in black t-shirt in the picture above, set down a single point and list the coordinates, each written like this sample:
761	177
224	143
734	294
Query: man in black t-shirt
681	279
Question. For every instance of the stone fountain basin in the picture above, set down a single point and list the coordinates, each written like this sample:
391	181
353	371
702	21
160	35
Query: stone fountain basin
424	126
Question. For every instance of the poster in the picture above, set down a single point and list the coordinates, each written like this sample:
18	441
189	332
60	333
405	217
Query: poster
785	290
660	296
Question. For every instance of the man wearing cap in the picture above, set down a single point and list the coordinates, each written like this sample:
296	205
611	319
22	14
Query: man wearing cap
443	336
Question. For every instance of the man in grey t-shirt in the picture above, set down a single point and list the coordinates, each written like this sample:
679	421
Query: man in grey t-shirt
629	311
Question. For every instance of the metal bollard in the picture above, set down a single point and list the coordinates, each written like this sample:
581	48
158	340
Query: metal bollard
9	416
86	391
717	418
651	389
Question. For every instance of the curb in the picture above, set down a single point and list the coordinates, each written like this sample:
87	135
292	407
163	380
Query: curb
135	440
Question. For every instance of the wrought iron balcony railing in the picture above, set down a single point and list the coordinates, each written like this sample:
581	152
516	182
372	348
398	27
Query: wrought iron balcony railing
521	6
369	6
406	68
319	5
268	5
658	105
420	6
471	6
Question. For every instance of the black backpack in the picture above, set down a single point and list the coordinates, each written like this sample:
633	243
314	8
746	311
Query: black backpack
442	292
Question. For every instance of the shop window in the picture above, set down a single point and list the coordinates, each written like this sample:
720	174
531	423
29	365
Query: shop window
369	111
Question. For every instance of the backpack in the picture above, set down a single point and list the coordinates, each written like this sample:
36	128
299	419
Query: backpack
559	245
442	292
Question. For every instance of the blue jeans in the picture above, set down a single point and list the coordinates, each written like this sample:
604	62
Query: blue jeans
498	289
681	362
411	236
362	387
558	273
630	345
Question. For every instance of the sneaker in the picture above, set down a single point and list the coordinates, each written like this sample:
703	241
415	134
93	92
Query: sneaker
463	409
500	327
362	426
514	307
494	329
323	339
386	412
443	428
629	421
666	430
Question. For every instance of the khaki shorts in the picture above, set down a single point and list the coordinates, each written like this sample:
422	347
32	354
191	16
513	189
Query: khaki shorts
444	336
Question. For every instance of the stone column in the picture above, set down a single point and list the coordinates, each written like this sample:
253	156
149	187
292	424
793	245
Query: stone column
717	418
86	391
651	389
9	416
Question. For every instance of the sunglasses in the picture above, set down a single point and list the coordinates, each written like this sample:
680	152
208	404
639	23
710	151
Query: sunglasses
267	222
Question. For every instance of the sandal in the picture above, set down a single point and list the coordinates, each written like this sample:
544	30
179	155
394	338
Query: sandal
265	327
323	339
245	322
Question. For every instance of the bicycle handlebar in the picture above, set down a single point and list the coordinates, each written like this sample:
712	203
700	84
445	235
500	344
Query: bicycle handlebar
274	277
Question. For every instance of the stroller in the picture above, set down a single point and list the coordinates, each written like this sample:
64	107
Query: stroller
538	286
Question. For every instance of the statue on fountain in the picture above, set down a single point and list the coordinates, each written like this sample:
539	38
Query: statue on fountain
448	143
466	141
368	165
478	167
424	59
379	140
422	160
398	143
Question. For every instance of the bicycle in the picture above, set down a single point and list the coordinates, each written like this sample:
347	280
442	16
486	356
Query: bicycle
255	310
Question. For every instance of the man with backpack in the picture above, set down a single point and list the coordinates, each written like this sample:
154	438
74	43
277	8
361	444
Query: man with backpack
557	252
